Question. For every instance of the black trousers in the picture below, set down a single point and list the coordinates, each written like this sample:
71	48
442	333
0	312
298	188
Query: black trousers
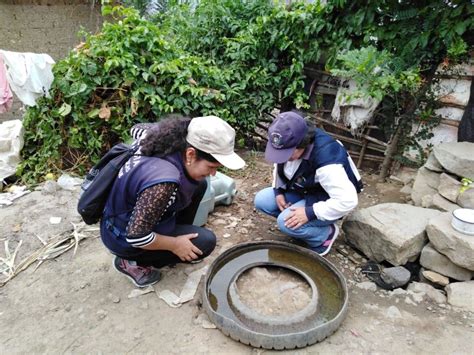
205	241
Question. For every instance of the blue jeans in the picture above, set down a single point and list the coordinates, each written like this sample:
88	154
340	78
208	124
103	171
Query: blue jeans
313	233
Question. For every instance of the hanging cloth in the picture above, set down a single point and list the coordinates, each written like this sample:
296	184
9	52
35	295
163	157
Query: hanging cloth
30	75
6	96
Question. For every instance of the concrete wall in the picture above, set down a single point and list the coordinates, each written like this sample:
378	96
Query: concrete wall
44	26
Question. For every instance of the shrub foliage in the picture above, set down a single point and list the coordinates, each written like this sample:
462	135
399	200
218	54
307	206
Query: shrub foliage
231	58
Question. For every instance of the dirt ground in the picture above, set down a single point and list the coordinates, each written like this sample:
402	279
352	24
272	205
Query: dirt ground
77	302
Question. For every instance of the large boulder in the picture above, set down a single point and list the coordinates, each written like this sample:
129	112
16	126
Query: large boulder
457	246
456	157
390	232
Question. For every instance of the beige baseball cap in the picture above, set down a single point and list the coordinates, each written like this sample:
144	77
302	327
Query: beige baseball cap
213	135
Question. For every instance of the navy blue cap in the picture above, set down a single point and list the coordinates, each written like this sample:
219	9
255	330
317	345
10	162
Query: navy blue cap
284	135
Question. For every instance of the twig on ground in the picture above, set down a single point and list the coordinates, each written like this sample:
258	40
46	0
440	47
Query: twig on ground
40	239
52	249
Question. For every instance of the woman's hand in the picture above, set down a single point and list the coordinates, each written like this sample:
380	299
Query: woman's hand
296	218
185	249
281	202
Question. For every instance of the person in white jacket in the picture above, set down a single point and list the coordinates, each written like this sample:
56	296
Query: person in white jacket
315	182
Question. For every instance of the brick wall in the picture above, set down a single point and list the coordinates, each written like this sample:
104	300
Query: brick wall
44	26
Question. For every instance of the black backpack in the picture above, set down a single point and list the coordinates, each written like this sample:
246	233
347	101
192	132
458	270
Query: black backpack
99	181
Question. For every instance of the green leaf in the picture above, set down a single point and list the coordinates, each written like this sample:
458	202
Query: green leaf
65	109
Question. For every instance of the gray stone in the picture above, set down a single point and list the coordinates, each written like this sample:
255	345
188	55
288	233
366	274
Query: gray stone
426	201
466	198
458	247
461	294
396	276
426	183
393	312
428	290
406	175
456	157
448	187
434	260
50	187
391	231
433	164
438	202
367	285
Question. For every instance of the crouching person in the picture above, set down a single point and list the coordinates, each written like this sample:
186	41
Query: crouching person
315	182
147	220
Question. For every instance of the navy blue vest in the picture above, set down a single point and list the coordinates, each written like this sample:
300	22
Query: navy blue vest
326	151
139	173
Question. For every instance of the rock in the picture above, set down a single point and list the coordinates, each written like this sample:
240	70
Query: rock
458	247
466	198
426	201
461	294
395	276
367	285
397	292
393	312
436	278
406	175
417	296
426	183
50	187
434	260
393	232
448	187
428	290
438	202
433	164
456	157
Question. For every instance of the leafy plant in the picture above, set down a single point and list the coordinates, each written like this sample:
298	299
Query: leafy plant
377	73
231	58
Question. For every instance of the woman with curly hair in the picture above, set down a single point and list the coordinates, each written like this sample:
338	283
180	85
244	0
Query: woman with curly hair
147	221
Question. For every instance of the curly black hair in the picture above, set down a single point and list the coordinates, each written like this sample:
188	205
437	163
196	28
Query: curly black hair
169	136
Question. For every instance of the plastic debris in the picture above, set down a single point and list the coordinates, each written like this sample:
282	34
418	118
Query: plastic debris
140	291
14	192
54	220
188	291
68	182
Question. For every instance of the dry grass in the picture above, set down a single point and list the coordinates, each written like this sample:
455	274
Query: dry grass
51	249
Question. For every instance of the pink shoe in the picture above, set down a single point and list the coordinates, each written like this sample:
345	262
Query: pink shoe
324	248
141	276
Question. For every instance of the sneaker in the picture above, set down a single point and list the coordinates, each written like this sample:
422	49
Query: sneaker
141	276
324	248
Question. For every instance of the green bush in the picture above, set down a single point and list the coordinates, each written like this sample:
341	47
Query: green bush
232	58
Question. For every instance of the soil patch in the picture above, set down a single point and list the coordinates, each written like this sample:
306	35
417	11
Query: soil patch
77	302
